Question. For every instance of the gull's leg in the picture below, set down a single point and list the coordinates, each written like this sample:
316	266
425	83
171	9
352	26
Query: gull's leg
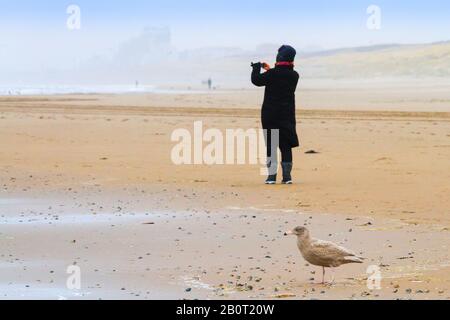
323	275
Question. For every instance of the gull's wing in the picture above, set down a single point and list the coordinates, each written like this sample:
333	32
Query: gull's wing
330	249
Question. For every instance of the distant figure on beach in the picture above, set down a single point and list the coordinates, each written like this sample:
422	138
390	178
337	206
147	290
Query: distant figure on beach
209	83
278	111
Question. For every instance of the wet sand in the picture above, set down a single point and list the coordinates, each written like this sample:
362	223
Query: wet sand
127	249
91	182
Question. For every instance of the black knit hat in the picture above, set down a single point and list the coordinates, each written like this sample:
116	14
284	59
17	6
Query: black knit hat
286	53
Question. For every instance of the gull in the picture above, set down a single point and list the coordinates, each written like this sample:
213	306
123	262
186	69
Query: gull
321	253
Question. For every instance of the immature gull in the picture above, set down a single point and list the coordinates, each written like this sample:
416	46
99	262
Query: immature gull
320	253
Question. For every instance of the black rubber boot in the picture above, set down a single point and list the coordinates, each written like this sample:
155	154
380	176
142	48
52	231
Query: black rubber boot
272	179
287	168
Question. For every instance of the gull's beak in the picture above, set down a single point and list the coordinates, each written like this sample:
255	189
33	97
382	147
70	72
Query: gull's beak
288	233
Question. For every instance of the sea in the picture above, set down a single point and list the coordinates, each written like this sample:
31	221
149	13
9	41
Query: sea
29	90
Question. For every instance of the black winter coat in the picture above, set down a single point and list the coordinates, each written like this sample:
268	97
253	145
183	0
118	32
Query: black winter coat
278	110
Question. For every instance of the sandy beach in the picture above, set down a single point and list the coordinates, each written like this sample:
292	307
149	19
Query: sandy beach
88	180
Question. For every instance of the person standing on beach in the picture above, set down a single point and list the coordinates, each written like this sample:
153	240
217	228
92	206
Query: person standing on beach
278	111
209	83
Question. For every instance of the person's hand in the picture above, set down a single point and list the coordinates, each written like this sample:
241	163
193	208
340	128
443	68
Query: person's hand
266	66
257	65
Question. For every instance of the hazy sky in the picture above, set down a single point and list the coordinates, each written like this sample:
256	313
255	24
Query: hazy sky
34	33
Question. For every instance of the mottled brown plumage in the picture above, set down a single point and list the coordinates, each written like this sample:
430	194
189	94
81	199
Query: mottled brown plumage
321	253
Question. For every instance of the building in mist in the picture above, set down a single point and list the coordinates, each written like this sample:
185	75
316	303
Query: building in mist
151	47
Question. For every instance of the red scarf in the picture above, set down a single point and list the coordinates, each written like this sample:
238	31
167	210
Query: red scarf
285	63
